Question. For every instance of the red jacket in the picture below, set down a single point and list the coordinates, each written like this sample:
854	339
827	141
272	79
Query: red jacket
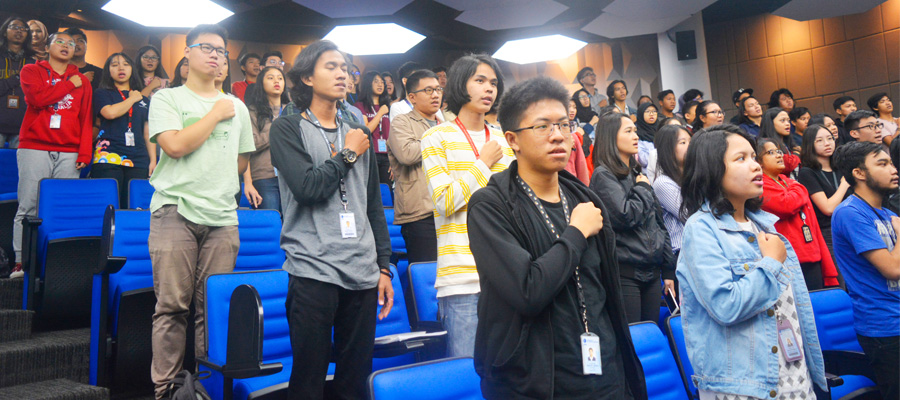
791	162
786	202
75	134
239	88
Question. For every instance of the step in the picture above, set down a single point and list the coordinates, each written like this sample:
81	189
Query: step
56	389
15	325
46	356
11	294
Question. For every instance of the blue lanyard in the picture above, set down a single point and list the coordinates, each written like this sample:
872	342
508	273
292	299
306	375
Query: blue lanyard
315	121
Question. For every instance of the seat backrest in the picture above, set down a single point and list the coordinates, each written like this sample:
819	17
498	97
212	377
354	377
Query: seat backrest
445	379
260	235
833	311
397	320
75	204
676	343
387	198
130	241
421	278
9	178
660	370
140	192
398	245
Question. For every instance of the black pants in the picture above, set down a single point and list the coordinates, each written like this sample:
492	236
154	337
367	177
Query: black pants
313	308
884	357
384	168
122	175
421	240
812	274
642	299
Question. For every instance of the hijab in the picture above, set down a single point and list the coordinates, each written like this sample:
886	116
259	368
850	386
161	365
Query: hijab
584	114
646	131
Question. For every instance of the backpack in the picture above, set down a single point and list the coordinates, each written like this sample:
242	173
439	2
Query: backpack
186	386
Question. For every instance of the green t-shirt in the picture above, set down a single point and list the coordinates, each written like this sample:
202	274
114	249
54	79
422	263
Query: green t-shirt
202	184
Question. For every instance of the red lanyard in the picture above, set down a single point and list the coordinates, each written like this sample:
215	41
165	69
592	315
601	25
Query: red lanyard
469	138
130	110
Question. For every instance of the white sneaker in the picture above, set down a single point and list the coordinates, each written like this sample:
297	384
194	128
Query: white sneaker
17	272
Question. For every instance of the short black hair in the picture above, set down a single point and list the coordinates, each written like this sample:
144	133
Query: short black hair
403	72
582	72
873	101
524	94
798	112
851	123
704	168
662	95
611	88
852	155
274	53
213	29
456	94
742	117
776	95
412	81
648	98
304	66
27	46
438	69
136	82
688	105
246	57
75	32
691	94
838	102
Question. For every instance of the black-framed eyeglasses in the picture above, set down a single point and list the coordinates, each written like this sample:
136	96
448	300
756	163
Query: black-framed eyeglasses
20	28
774	152
716	112
584	96
873	125
430	90
149	58
207	48
545	130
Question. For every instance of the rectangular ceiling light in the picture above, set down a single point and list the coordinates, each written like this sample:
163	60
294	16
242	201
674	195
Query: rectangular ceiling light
358	39
169	13
537	49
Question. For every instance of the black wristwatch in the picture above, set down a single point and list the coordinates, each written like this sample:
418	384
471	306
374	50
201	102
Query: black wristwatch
349	156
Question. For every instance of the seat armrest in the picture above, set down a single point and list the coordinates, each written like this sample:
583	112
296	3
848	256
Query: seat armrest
409	345
242	373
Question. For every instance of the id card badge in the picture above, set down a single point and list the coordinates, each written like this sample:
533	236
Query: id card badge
382	146
12	102
55	121
129	138
807	234
788	341
348	225
590	354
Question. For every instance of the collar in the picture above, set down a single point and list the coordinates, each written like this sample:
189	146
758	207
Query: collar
418	117
726	221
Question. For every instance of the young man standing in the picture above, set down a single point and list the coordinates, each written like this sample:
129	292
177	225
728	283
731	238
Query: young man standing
441	74
334	236
588	81
865	244
15	52
459	157
545	261
273	59
843	106
413	208
402	105
863	126
737	98
667	103
91	71
205	136
250	68
618	92
56	135
690	109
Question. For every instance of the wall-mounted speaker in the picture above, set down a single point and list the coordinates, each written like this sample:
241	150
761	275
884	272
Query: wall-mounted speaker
686	45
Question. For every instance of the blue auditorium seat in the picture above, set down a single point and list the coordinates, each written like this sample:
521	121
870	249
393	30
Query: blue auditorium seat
60	246
9	178
139	194
398	249
387	195
243	203
676	342
660	369
444	379
424	313
260	234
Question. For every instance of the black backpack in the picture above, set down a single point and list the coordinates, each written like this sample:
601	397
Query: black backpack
186	386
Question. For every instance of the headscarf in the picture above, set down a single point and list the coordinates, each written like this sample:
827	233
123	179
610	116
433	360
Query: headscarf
41	51
584	114
646	131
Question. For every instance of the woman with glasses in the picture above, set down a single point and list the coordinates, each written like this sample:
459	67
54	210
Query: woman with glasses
707	114
375	104
647	124
826	187
150	70
776	126
642	242
789	201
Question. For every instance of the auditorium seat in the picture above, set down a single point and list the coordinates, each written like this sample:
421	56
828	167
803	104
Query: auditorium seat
676	341
424	311
139	194
9	179
260	234
60	247
661	372
387	196
444	379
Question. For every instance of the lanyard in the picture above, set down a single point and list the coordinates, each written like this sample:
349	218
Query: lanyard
834	178
52	83
555	234
469	138
374	113
130	110
312	117
890	230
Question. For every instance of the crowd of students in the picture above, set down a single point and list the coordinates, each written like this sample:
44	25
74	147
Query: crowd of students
538	270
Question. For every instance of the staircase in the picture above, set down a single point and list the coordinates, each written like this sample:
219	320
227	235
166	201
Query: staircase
41	365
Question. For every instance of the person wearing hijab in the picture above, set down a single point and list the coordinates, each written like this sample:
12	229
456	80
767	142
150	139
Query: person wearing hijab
647	124
584	114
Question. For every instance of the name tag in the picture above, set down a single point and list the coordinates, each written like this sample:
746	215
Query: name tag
348	225
382	146
129	138
590	354
12	102
788	341
55	121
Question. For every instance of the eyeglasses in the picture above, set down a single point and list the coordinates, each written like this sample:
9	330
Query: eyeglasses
584	96
82	41
430	90
20	28
149	58
207	48
544	130
64	43
716	112
873	125
651	112
591	74
829	138
275	62
774	152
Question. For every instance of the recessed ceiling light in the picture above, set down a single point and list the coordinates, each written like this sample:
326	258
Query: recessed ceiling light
537	49
356	39
159	13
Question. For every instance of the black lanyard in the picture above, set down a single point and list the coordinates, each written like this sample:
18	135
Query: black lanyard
312	118
555	234
834	178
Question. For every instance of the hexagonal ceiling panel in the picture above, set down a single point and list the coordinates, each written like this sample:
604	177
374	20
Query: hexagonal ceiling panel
354	8
505	14
625	18
805	10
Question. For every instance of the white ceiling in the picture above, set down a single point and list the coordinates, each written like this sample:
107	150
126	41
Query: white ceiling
625	18
354	8
805	10
505	14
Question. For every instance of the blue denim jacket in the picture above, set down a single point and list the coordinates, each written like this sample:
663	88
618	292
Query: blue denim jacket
728	290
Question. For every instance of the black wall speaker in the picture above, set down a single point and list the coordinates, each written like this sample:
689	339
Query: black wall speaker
686	45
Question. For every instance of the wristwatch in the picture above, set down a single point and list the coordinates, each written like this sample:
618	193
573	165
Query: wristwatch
349	156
